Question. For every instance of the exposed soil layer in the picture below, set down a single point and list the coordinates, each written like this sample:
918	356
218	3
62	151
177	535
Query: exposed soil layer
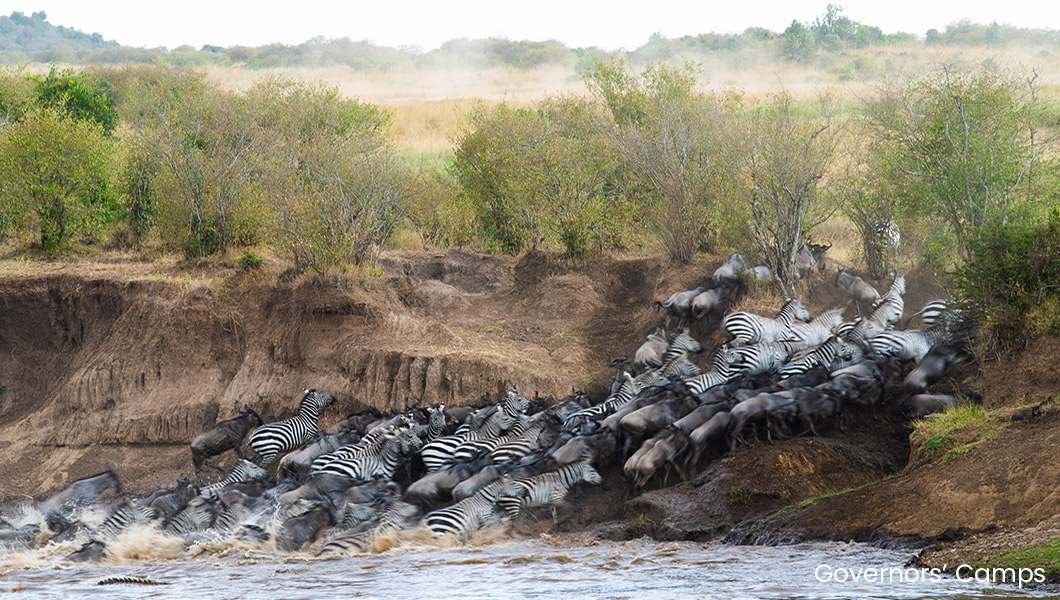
122	369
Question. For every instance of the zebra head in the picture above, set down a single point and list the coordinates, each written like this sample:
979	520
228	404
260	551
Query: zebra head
587	473
797	310
684	342
516	402
436	416
318	399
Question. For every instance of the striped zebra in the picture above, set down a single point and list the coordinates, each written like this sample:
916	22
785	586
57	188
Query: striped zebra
548	489
720	373
470	514
763	357
817	331
272	439
243	471
510	411
911	344
824	354
435	424
518	447
749	328
125	515
379	460
887	311
936	313
198	514
473	449
396	516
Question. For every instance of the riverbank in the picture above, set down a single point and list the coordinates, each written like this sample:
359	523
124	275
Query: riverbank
120	361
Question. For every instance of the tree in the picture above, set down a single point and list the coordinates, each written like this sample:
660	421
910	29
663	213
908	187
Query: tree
554	167
799	43
59	169
337	189
79	95
959	144
209	152
666	130
786	156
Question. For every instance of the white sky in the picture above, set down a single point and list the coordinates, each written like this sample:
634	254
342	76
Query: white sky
427	23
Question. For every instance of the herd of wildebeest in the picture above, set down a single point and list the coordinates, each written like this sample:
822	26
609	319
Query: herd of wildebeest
451	471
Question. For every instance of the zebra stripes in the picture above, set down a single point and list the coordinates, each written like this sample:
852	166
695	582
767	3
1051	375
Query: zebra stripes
441	451
125	515
270	440
435	424
380	459
912	344
465	517
817	331
548	489
824	354
242	472
749	328
764	357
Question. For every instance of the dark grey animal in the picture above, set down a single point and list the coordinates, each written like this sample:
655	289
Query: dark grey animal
860	291
304	529
679	305
90	551
935	364
922	405
224	436
86	490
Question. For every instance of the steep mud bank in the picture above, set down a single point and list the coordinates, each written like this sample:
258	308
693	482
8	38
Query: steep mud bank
122	371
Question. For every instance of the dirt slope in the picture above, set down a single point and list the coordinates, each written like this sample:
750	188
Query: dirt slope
124	368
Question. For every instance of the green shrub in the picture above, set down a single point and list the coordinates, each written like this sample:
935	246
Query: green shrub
1012	269
250	261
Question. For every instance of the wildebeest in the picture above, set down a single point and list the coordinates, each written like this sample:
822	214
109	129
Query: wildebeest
922	405
861	292
650	353
679	305
87	489
305	528
224	436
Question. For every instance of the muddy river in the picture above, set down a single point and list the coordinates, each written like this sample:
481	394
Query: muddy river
495	570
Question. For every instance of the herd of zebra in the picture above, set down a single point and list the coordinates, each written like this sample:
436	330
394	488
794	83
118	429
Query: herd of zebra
452	472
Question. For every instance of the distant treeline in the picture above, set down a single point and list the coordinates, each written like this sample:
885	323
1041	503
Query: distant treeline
33	39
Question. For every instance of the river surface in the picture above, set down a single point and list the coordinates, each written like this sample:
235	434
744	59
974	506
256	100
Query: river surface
511	569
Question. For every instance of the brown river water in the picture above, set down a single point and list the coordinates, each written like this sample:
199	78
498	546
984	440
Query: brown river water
490	567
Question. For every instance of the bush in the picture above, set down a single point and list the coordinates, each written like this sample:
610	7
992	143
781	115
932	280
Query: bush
250	261
60	170
1012	269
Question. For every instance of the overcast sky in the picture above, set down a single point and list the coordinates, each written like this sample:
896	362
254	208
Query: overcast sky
426	24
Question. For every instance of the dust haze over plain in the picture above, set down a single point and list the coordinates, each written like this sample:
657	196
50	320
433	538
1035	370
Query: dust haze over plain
425	25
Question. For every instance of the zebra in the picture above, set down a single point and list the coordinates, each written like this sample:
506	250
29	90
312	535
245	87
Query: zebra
126	514
397	515
650	353
435	424
440	452
475	448
719	373
270	440
547	489
470	514
887	311
518	447
936	313
243	471
824	354
764	357
817	331
748	328
200	513
911	344
380	460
